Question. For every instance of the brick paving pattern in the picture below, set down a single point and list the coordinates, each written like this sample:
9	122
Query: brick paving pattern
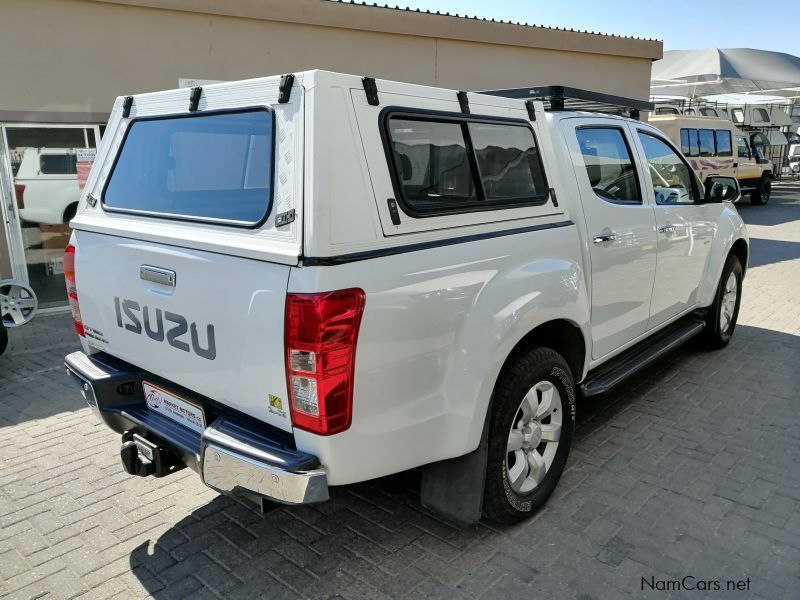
689	469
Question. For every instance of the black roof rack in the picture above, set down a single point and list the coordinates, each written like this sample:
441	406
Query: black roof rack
567	98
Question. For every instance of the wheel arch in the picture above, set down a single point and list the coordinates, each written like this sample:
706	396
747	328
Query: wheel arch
69	212
562	336
740	250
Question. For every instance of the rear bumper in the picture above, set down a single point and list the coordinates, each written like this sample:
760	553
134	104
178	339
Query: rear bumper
233	453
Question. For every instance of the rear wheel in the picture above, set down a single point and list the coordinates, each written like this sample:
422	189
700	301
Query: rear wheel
762	193
723	313
533	418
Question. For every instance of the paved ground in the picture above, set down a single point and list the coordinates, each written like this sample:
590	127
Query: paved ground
690	470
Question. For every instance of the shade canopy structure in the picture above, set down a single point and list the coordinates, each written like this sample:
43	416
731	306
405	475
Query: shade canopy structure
711	71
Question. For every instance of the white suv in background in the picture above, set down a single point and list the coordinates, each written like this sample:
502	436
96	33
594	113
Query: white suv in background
47	185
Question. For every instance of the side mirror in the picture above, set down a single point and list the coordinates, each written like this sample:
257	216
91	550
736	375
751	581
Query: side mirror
722	189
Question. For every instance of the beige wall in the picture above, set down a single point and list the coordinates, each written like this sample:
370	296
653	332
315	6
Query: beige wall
66	60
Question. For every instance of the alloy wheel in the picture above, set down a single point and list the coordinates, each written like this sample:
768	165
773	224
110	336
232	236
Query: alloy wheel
533	437
17	303
728	303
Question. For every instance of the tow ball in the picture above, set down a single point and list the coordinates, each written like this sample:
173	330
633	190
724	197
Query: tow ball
142	457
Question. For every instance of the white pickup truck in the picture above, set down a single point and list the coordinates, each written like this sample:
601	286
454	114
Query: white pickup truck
311	280
46	185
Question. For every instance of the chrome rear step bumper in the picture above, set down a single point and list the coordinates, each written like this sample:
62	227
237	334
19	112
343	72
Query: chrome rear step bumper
233	453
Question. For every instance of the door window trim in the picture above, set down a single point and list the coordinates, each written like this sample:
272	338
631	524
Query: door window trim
632	158
418	114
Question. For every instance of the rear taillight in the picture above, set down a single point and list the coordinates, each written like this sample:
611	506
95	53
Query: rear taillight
19	191
72	287
321	332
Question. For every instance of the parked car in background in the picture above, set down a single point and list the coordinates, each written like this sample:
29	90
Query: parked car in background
794	158
298	282
717	147
46	185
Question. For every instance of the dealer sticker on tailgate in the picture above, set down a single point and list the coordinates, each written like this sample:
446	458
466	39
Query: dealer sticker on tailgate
175	408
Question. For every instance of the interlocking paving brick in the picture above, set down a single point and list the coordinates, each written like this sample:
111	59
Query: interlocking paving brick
688	469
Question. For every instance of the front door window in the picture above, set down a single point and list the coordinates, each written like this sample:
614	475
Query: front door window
673	180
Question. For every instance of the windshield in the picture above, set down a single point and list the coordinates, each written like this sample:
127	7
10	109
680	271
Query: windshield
206	167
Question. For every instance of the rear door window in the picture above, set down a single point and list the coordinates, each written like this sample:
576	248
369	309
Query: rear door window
214	167
690	142
724	143
608	164
706	142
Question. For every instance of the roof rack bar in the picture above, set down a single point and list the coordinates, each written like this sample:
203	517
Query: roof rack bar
371	90
463	102
531	109
285	88
126	106
194	98
561	97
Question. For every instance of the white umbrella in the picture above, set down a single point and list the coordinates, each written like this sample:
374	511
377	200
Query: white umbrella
696	73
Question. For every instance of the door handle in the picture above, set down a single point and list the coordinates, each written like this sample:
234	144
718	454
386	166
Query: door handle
599	238
666	229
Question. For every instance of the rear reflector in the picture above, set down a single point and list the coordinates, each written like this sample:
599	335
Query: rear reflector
321	332
72	287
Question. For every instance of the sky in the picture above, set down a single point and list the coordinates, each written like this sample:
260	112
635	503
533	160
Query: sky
680	24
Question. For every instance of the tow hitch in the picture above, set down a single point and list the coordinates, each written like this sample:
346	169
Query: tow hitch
142	457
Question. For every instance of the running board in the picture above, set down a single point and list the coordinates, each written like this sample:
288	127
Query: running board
619	368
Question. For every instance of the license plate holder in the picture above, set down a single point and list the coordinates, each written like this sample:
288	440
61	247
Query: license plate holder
174	407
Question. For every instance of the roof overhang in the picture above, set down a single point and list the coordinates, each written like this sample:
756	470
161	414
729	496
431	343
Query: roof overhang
384	19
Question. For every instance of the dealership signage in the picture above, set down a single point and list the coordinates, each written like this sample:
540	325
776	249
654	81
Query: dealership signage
85	158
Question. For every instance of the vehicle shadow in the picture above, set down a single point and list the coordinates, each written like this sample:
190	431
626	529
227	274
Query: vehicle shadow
375	540
33	384
765	252
782	208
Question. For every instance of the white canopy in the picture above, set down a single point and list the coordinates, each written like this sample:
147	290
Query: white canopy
710	71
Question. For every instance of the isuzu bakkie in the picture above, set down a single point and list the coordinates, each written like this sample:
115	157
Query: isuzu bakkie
310	280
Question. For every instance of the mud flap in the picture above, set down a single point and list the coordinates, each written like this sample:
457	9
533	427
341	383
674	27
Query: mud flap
453	488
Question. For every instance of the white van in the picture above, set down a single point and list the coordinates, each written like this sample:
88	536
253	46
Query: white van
717	147
298	282
760	115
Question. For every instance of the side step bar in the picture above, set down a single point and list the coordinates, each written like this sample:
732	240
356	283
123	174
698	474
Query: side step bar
619	368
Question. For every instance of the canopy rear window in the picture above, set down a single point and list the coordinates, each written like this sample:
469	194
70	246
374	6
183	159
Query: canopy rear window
214	167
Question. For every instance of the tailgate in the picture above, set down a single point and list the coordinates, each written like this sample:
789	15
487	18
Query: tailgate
185	236
208	322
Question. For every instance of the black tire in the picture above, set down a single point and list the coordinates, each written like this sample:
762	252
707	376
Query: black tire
3	338
714	334
501	503
761	194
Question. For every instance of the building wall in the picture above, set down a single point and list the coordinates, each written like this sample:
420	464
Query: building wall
66	60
